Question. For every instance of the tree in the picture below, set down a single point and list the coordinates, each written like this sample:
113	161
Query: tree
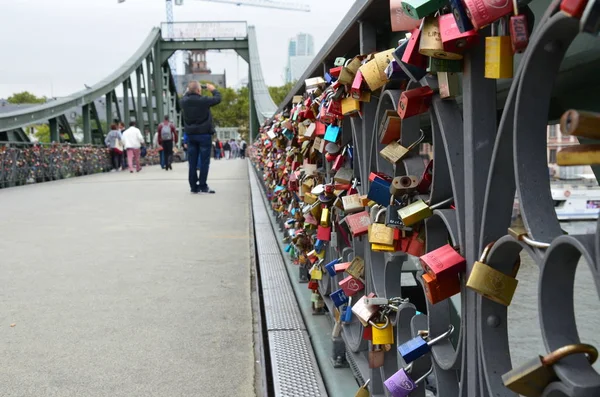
279	93
42	133
233	111
25	97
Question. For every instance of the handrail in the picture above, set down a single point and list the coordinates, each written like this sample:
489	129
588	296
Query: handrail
265	107
46	111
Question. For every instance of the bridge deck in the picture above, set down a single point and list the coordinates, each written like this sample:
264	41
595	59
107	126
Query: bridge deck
112	283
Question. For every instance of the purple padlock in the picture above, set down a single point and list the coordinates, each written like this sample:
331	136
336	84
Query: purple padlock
401	385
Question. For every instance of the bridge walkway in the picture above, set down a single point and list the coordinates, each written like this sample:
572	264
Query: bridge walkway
127	285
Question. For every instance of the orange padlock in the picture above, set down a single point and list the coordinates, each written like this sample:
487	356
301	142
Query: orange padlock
438	291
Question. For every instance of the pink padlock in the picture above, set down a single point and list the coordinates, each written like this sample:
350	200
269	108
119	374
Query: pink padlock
483	12
400	21
453	39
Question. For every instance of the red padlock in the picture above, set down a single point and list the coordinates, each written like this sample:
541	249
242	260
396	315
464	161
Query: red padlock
416	245
414	102
324	233
573	8
426	179
411	54
443	263
351	286
483	12
358	223
439	291
453	39
335	72
367	333
339	162
313	285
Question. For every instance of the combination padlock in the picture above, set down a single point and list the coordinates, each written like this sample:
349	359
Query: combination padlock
401	384
417	347
491	283
531	378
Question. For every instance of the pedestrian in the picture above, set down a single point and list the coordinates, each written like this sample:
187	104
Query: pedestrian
167	135
133	141
124	155
114	143
198	125
217	149
160	150
243	147
234	149
227	149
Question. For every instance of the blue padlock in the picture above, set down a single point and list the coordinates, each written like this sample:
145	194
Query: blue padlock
328	78
330	267
319	245
339	298
462	20
332	133
288	247
347	314
379	191
417	347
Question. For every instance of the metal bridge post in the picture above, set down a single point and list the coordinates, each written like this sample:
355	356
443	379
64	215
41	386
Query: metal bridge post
159	86
126	102
109	112
149	92
133	103
140	105
54	136
253	127
87	127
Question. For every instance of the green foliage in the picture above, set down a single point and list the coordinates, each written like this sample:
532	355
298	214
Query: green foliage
79	124
233	111
279	93
42	133
25	97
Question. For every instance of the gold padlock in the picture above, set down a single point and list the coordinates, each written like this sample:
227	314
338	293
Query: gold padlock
316	273
394	152
415	212
449	84
382	248
371	75
379	233
498	56
491	283
383	333
350	106
531	378
325	217
431	41
356	268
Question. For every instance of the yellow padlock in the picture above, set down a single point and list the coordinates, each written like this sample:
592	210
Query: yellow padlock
325	217
498	57
382	248
383	333
350	105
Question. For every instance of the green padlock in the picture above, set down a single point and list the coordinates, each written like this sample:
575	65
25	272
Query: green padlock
444	65
418	9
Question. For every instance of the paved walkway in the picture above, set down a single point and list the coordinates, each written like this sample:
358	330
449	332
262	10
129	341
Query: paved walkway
127	285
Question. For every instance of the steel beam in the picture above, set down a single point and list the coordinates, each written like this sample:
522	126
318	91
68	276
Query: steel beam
150	91
168	48
109	112
87	128
54	135
140	104
126	102
158	84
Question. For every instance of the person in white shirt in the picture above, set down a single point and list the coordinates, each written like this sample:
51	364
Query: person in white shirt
133	141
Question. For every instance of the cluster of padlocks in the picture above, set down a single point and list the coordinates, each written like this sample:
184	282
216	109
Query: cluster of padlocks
40	163
313	184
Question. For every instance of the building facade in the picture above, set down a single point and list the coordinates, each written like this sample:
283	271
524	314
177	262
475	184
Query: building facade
301	52
196	68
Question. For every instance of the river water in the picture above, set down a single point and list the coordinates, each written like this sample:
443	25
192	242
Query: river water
525	336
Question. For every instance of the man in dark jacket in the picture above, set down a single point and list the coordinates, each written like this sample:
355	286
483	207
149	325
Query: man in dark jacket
198	126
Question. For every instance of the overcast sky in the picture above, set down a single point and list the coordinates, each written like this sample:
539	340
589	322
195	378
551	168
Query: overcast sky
54	47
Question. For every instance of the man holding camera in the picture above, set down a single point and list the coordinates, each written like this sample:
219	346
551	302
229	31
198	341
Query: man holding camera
198	126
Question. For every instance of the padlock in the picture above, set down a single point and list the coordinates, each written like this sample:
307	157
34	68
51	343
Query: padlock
579	155
437	65
376	357
316	273
590	19
418	347
498	56
379	190
383	248
350	106
573	8
517	26
410	51
338	297
379	233
491	283
453	40
392	219
325	217
419	210
401	384
324	233
352	204
418	9
382	60
483	12
356	89
581	124
449	85
383	333
357	268
346	315
351	286
414	102
339	61
363	391
531	378
395	152
313	285
416	244
404	184
399	20
443	263
372	75
364	312
431	41
390	128
462	20
358	223
330	267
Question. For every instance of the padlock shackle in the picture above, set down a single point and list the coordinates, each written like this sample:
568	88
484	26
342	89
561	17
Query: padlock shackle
590	351
442	336
379	213
425	375
441	203
386	324
486	252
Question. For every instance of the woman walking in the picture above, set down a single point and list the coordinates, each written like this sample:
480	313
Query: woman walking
114	143
133	140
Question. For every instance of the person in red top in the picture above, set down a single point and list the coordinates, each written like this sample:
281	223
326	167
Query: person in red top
167	136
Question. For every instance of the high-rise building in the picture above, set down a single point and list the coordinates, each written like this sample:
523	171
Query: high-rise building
301	51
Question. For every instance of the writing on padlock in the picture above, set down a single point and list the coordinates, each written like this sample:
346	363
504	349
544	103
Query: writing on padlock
395	152
351	286
531	378
417	347
491	283
379	233
401	384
